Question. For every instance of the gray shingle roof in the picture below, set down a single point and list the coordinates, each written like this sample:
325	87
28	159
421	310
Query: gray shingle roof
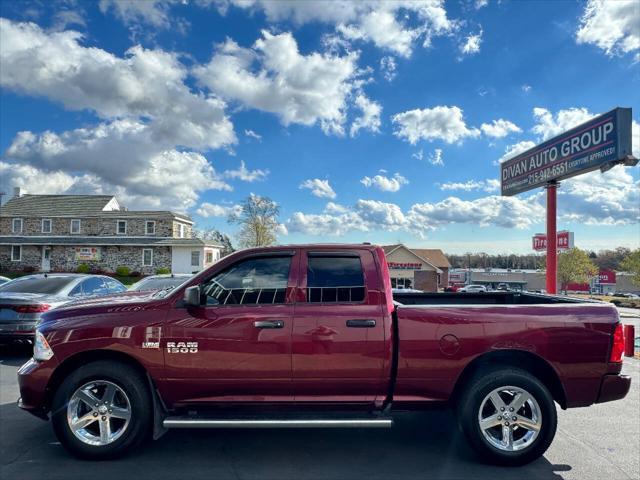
74	205
106	241
43	205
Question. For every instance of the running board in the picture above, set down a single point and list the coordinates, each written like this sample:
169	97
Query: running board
185	422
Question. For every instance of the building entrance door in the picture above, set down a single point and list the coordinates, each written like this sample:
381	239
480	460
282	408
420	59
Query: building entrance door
46	259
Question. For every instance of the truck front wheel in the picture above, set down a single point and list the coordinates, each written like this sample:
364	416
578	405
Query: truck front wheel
102	410
508	416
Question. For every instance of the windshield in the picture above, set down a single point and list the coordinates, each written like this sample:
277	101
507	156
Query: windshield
49	285
159	283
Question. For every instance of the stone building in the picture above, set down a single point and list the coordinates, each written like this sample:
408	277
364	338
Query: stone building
59	232
425	269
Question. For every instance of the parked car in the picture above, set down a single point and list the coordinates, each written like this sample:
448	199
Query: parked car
473	289
25	299
316	330
4	280
503	287
160	282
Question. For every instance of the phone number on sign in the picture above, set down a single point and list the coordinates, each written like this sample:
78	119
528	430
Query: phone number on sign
548	173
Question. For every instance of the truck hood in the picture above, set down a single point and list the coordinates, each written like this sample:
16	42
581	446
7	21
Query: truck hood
103	305
113	300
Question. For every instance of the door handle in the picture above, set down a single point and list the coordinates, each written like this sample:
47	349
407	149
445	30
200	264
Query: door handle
361	323
268	324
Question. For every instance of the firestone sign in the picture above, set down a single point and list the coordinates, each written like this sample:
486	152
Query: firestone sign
587	147
564	241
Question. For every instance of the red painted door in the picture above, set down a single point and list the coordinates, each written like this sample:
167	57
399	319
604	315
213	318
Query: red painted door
236	347
339	348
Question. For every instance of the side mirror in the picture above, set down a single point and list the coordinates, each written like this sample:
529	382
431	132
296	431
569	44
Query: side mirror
192	296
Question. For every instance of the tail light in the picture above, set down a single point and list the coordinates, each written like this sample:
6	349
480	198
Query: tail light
43	307
617	348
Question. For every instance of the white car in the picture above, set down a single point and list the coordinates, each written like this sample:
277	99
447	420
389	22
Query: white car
473	289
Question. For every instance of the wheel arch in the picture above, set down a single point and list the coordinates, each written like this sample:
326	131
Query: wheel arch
521	359
82	358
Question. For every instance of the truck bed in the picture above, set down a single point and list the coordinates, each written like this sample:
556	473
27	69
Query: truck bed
488	298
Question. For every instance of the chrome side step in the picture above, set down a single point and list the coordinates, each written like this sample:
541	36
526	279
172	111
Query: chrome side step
182	422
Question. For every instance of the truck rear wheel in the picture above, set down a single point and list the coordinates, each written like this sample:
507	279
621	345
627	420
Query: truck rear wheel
102	410
508	416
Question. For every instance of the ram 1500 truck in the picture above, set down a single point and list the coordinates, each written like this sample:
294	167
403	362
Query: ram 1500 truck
310	336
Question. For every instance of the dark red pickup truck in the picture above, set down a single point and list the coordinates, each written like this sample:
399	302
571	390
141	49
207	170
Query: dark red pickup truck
310	336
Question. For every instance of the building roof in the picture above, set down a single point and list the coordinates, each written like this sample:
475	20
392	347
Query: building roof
76	205
434	256
54	205
78	241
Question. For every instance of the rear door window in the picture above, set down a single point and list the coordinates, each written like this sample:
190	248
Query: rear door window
333	279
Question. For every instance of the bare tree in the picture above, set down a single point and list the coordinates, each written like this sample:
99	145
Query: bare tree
214	235
258	221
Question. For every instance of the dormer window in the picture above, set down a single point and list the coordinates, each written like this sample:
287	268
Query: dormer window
16	225
75	226
181	230
150	227
121	227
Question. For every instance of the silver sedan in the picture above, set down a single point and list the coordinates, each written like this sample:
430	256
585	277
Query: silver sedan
24	299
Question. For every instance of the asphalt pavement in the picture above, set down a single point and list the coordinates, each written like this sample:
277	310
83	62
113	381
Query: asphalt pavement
595	443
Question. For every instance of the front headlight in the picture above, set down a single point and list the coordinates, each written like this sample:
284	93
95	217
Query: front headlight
41	349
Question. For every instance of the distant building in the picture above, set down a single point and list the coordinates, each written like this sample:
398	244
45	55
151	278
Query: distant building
605	282
515	279
59	232
425	269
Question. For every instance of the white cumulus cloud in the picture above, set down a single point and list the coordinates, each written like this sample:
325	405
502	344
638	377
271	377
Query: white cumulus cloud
437	123
499	128
275	77
384	183
246	175
369	118
150	119
319	188
490	185
611	25
207	210
471	44
395	26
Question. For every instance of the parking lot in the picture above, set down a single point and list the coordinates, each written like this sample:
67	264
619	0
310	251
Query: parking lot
599	442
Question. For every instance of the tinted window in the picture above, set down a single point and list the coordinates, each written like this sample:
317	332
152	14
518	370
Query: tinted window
255	280
50	285
93	286
112	286
334	279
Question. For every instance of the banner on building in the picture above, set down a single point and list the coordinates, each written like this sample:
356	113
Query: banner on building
87	254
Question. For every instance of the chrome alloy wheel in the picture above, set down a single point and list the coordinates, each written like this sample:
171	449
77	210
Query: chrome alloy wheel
510	418
98	413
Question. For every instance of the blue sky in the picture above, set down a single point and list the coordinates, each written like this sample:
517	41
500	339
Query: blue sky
381	122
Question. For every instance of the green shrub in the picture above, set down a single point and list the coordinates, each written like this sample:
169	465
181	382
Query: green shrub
123	271
162	271
83	268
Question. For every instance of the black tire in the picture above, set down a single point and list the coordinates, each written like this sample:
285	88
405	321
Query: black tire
131	382
468	409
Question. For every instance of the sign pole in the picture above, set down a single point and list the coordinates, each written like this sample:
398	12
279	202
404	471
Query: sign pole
552	249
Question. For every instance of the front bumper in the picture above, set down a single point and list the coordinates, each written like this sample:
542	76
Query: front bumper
33	378
613	387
